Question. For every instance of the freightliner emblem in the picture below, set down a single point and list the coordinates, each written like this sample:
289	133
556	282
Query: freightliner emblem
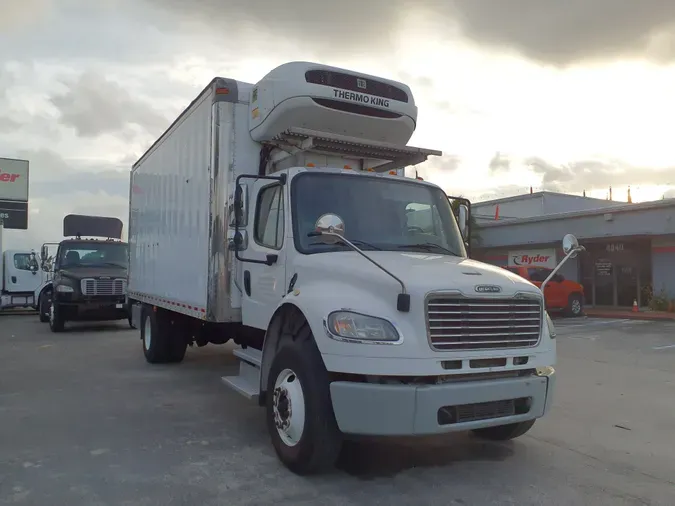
488	288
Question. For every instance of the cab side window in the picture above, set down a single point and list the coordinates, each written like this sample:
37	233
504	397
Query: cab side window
22	261
268	227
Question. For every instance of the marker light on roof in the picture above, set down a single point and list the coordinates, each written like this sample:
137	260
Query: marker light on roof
347	167
370	170
310	165
392	173
222	91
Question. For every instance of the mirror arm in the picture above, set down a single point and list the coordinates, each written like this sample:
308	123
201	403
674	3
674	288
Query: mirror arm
403	302
557	268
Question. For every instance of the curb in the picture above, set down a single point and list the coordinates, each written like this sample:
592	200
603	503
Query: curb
632	316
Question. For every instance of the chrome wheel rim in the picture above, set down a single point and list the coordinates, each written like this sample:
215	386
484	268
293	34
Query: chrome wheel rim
289	407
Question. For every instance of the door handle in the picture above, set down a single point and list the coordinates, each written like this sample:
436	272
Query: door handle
14	279
247	282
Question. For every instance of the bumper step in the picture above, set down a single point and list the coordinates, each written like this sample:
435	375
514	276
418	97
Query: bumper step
247	382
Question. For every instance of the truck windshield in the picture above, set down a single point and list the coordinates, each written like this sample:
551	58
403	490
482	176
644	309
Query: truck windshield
379	214
93	254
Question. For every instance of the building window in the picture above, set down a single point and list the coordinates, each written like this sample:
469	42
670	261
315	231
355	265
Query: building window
269	217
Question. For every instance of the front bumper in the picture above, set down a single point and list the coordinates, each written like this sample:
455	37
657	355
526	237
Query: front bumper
95	308
414	410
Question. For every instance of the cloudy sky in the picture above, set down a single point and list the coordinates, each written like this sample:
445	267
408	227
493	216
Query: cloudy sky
567	96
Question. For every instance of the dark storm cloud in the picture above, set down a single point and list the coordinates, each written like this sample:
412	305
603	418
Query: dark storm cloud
564	32
551	31
499	162
93	105
591	174
52	175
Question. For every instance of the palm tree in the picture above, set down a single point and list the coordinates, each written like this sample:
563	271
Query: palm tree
473	225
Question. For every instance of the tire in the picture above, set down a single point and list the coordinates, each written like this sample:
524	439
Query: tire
161	341
504	432
56	321
43	306
575	305
310	442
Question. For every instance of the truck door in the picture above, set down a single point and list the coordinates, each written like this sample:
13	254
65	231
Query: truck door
265	285
21	272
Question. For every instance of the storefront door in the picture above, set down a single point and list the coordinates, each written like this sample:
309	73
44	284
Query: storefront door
615	273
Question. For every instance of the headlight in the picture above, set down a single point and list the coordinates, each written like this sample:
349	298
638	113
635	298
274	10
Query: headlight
64	289
551	327
349	325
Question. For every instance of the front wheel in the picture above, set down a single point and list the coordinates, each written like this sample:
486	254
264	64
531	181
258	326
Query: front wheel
504	432
56	321
299	411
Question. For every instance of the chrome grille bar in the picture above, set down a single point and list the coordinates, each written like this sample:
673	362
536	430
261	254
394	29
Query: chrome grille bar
93	287
455	322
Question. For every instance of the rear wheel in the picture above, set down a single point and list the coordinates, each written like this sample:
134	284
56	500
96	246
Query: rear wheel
162	341
299	411
504	432
575	305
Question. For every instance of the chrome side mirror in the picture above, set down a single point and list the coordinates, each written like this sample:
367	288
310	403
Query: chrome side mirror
463	220
328	226
570	244
238	241
239	208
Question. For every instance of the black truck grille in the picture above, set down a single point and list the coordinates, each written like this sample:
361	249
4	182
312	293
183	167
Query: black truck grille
103	286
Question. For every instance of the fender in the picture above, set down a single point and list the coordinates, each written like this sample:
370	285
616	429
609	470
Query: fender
313	303
38	291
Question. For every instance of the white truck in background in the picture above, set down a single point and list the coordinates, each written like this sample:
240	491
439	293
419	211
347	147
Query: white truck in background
276	215
20	276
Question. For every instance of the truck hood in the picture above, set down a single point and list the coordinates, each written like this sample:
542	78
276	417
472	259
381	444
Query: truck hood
93	272
421	272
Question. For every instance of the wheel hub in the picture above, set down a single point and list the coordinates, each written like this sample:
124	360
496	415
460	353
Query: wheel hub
283	412
288	407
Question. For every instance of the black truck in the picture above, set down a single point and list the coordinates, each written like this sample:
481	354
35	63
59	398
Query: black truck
90	273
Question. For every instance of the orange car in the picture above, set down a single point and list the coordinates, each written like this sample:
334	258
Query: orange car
561	294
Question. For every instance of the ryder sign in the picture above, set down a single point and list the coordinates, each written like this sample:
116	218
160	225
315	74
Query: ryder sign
14	180
533	258
14	193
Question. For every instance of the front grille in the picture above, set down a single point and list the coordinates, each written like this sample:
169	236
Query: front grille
103	286
461	323
483	411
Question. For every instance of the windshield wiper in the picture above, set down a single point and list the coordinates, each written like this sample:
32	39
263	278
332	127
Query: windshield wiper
429	246
355	242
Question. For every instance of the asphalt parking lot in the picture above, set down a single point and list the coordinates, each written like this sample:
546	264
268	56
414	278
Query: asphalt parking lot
84	420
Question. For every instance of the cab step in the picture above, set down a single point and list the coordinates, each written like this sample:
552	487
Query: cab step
247	382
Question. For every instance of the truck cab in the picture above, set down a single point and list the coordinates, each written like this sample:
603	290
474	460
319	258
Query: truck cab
89	273
20	275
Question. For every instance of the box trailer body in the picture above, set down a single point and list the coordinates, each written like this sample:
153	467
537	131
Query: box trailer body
179	192
267	214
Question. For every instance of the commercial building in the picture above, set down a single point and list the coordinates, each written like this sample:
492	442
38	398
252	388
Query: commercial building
630	248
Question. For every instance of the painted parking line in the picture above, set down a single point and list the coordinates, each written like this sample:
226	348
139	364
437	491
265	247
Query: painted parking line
666	347
589	323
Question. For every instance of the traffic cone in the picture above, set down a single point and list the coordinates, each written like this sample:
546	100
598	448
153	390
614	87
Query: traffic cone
635	306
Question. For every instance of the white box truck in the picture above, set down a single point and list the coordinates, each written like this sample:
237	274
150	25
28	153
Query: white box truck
276	215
